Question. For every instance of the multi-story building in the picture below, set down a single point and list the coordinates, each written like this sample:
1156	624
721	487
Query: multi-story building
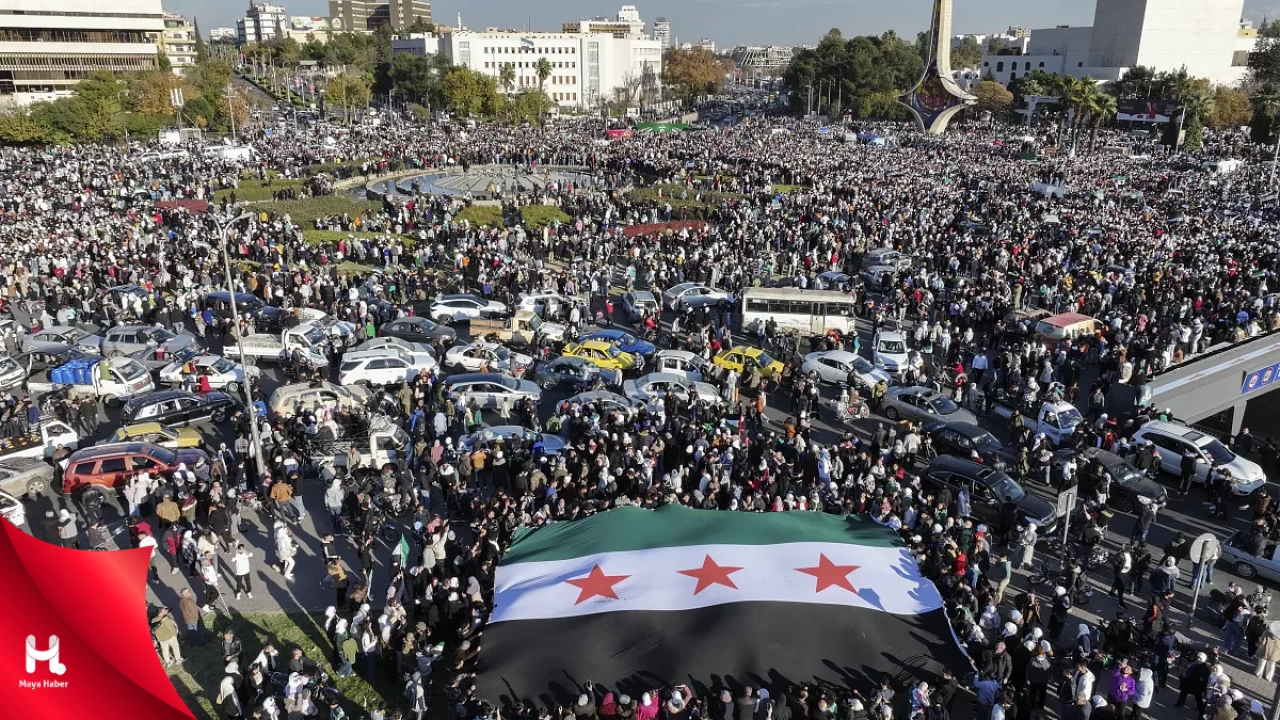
707	44
222	35
762	60
260	23
178	42
586	68
1204	36
405	13
662	32
627	22
47	46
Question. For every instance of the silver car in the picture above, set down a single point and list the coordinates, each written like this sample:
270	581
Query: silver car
656	386
605	400
490	390
922	404
53	336
833	366
25	476
130	339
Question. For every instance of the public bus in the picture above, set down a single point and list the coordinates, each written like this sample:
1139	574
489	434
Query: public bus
811	312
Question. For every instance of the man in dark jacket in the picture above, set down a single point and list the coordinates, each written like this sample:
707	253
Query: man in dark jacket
1001	666
944	695
1194	682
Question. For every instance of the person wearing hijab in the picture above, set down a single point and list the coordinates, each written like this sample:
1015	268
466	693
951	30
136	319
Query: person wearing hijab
68	532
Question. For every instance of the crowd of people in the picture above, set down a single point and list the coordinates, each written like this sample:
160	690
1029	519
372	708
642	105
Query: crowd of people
1172	260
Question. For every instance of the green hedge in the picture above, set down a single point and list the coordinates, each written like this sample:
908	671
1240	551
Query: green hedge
257	190
539	216
305	212
490	215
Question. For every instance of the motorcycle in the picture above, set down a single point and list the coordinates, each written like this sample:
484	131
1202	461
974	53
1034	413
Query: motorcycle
846	409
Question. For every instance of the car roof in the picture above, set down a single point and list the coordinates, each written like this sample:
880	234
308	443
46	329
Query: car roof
144	427
840	355
595	345
108	450
457	296
667	377
951	462
474	377
964	427
375	353
1182	432
642	295
155	397
571	360
891	335
682	354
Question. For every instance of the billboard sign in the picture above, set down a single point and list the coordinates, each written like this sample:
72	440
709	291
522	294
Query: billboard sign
1152	110
309	24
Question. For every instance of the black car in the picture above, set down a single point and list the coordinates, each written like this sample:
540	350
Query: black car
267	316
988	491
1128	483
963	439
179	407
418	329
571	371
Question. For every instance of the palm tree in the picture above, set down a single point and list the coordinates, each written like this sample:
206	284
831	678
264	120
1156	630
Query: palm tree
507	76
544	72
1105	108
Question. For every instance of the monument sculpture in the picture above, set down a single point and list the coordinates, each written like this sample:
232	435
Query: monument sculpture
937	98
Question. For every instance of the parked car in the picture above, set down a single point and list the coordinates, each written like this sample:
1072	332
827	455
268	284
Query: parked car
268	318
988	491
178	407
130	339
1129	485
309	397
382	343
48	357
832	280
1172	441
743	359
606	400
25	476
54	336
223	374
568	371
603	355
624	341
964	439
543	443
889	353
156	434
489	390
639	303
450	309
834	366
11	509
656	386
418	329
111	466
484	356
383	367
11	373
679	362
694	295
1252	556
922	404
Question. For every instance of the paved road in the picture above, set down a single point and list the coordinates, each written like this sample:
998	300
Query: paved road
271	591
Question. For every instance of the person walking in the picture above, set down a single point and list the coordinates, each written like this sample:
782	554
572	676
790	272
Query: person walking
240	571
209	574
1121	566
285	550
1189	462
1268	655
165	631
416	695
190	612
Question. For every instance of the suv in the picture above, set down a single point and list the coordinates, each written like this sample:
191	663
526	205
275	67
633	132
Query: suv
988	491
111	466
130	339
1172	441
383	367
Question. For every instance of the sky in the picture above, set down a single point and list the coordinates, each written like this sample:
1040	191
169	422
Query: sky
728	22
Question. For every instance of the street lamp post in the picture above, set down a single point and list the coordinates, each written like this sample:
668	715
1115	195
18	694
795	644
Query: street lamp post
224	232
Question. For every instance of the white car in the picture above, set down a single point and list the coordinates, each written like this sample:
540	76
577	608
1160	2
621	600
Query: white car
382	343
834	366
481	356
674	297
383	367
679	362
889	353
460	308
11	509
656	386
1172	441
223	374
549	304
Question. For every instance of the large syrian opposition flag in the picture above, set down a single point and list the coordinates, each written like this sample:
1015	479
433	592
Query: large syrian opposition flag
636	599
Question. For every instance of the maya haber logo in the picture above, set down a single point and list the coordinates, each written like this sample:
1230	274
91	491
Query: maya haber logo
50	657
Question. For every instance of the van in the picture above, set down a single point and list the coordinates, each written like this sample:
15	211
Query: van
1066	327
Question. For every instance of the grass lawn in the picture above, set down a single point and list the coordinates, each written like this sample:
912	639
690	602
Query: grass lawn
490	215
305	212
540	216
257	190
197	679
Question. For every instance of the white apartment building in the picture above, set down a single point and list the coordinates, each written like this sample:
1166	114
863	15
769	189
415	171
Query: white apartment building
662	32
260	22
627	22
585	68
1205	36
178	42
222	35
47	46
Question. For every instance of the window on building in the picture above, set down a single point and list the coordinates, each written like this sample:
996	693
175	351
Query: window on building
986	64
1041	64
1000	66
1013	75
1080	64
1027	67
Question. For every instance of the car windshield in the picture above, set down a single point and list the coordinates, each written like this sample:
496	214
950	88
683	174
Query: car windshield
130	370
314	336
894	347
985	440
625	339
510	382
159	335
502	353
1070	418
942	405
223	365
1006	489
613	351
535	322
1220	454
764	359
164	455
9	365
862	366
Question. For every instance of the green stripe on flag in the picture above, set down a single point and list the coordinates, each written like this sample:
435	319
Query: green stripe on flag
631	528
402	549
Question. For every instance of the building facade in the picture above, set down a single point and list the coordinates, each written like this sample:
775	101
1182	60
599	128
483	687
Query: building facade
762	60
626	23
260	23
404	13
222	35
1204	36
585	68
47	46
662	32
369	15
178	42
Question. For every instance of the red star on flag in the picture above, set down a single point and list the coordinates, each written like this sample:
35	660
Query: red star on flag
711	574
830	575
596	583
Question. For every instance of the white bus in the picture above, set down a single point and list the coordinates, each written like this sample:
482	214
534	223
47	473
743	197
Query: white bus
806	311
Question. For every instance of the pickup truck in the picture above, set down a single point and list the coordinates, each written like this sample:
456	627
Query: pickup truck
523	328
53	434
1057	420
113	380
385	446
273	347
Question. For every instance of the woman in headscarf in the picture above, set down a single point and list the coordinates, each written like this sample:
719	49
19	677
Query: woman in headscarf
229	699
1084	641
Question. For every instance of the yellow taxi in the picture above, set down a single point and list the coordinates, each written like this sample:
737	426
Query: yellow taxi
603	355
162	435
743	359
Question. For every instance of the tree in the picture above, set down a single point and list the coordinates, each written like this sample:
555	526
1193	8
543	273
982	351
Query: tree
968	54
1231	108
507	76
1105	107
467	92
993	98
1137	81
420	25
150	93
416	78
202	52
349	91
19	128
163	63
530	105
692	72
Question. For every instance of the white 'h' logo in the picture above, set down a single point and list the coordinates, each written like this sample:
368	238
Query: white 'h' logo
50	655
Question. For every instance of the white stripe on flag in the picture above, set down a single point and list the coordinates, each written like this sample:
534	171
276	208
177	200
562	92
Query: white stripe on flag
885	578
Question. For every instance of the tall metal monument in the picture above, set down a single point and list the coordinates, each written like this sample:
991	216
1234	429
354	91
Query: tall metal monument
936	98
